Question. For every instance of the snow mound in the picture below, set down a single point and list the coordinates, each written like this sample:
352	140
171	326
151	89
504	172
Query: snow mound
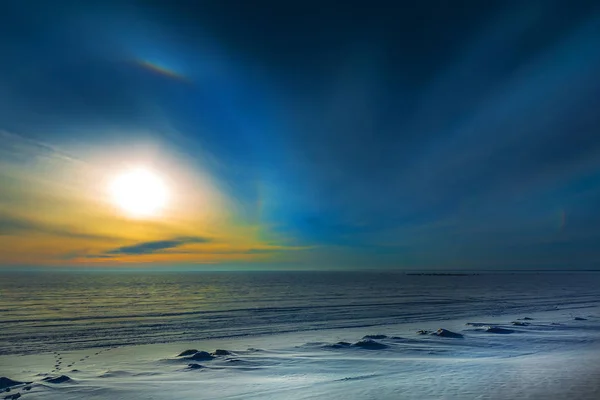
375	337
448	334
58	379
476	324
369	344
221	352
188	352
7	382
338	345
200	356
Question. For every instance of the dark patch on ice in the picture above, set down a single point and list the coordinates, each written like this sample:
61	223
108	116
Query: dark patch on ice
58	379
28	388
375	337
195	366
7	382
519	323
580	319
369	344
200	356
438	274
448	334
423	332
187	353
526	319
12	396
221	352
356	378
495	329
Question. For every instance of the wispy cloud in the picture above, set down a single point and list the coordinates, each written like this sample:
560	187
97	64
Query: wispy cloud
155	246
13	225
19	147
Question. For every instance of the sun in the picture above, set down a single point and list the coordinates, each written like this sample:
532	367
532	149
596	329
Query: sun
139	192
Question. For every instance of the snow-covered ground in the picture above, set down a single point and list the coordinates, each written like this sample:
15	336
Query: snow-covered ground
551	356
502	337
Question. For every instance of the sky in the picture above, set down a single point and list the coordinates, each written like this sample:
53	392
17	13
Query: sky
302	135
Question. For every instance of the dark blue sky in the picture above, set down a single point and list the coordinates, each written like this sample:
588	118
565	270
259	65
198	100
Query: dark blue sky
458	134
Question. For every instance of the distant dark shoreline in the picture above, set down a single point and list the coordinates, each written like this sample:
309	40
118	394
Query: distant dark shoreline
439	274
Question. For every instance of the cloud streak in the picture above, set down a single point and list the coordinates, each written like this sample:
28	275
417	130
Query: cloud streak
155	246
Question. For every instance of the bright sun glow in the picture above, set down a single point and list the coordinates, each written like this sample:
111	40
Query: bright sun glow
139	192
